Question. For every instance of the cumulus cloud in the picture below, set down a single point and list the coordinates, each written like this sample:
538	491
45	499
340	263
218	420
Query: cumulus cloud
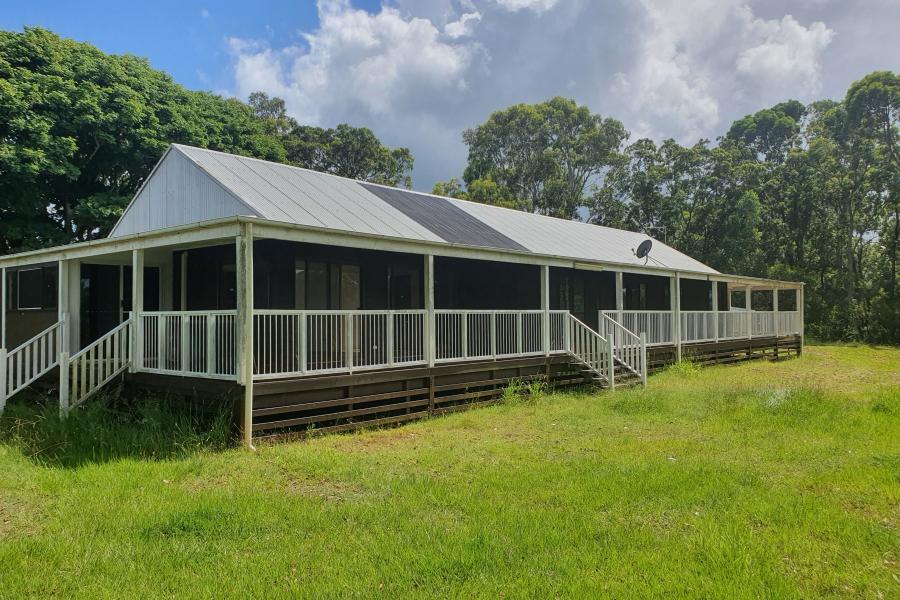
419	72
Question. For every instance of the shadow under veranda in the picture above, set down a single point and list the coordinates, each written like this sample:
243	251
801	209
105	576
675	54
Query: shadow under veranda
114	425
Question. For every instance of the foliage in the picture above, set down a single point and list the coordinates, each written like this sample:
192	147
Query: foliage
759	480
80	131
110	427
540	157
347	151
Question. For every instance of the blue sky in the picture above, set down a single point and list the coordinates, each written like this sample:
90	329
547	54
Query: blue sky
419	72
185	38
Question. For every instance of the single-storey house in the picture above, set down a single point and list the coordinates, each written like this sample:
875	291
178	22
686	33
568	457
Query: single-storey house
325	302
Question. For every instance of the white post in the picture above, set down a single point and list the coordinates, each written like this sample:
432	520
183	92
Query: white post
464	333
62	303
244	274
748	304
611	363
676	315
3	383
4	313
775	310
429	310
545	307
494	334
73	307
348	341
137	310
620	297
800	309
390	338
715	308
644	358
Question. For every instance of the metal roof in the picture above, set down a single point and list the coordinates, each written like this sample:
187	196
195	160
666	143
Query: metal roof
293	195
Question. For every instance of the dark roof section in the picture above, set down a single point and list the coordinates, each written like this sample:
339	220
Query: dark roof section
445	219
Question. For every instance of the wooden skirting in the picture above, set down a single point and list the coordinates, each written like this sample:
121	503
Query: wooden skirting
315	404
341	402
729	351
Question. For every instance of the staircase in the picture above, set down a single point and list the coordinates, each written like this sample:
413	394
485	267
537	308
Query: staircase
619	358
81	376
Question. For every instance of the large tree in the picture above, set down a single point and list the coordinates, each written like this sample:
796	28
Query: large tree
353	152
80	130
541	157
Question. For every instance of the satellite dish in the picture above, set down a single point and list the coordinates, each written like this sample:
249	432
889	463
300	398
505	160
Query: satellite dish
644	249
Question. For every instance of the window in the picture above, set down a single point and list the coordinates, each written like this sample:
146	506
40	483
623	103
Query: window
34	289
317	286
350	287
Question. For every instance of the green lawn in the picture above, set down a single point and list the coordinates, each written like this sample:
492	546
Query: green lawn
759	480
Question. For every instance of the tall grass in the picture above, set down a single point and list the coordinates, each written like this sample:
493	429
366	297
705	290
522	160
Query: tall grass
111	426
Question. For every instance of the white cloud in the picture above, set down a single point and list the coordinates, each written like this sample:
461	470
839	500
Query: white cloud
463	27
698	54
204	12
357	61
535	5
419	72
787	51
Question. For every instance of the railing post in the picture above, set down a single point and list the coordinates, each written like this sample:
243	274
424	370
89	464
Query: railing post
775	317
303	342
715	309
390	339
800	315
520	348
137	309
348	341
611	363
3	370
748	303
545	306
644	358
676	315
430	324
210	344
494	334
64	393
464	333
185	345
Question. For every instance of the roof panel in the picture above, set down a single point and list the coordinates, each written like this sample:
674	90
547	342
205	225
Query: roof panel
290	194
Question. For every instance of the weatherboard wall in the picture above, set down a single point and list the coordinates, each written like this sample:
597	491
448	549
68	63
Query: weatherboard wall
178	193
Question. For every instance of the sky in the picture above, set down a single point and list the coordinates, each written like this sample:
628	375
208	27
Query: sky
420	72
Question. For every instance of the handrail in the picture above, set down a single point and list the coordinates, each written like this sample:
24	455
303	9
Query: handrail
591	348
630	349
99	362
31	360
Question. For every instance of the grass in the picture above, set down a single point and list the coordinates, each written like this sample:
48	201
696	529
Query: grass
760	480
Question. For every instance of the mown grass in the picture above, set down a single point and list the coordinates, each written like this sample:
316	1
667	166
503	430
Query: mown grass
761	480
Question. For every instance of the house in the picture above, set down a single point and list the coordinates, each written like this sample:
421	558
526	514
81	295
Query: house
324	302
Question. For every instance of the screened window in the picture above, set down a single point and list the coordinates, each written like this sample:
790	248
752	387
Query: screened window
317	286
300	284
33	289
350	287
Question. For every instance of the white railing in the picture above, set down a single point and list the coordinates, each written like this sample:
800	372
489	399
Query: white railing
656	324
474	334
32	360
98	363
297	342
591	348
732	325
789	322
630	349
762	323
698	325
199	344
291	343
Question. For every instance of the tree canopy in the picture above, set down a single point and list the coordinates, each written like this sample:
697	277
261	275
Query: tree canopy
80	130
539	157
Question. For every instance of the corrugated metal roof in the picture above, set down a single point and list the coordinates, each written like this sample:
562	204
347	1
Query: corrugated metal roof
289	194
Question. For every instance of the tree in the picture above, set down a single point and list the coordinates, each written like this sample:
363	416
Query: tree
353	152
80	130
543	156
